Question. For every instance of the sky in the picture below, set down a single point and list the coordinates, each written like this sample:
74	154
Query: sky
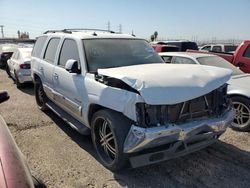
172	19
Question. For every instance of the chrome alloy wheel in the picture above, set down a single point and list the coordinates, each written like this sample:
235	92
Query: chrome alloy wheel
105	140
242	117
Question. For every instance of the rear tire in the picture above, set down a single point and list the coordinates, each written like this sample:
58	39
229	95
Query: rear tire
108	131
18	84
38	183
41	98
241	121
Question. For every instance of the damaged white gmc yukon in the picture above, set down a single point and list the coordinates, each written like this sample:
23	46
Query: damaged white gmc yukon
138	109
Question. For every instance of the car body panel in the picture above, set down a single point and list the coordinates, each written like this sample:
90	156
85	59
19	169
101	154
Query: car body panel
159	83
238	84
13	166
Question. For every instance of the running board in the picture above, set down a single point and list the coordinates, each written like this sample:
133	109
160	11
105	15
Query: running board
75	124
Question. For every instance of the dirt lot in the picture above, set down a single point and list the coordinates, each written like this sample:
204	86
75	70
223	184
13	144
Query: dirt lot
63	158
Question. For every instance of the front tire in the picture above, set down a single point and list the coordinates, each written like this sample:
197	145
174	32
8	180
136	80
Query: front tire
241	121
108	131
41	98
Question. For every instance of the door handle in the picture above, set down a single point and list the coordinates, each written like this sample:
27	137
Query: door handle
55	76
41	69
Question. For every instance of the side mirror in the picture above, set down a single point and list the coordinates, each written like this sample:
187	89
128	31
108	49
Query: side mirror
4	96
72	66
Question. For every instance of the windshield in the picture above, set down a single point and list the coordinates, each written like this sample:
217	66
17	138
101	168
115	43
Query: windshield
109	53
218	62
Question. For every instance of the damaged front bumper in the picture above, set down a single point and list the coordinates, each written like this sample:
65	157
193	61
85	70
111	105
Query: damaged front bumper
140	138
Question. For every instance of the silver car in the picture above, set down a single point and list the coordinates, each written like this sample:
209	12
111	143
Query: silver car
238	85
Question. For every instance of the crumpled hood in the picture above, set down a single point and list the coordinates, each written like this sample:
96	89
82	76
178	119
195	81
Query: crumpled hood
170	83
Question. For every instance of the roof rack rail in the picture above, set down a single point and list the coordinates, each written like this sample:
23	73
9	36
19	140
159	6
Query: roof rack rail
77	29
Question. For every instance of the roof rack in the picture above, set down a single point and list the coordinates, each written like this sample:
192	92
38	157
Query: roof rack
76	29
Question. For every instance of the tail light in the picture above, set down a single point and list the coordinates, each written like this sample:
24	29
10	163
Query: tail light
24	66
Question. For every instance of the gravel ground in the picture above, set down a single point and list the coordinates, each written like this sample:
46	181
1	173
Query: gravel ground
63	158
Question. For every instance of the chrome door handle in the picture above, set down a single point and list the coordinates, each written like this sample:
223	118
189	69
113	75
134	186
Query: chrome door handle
55	76
41	69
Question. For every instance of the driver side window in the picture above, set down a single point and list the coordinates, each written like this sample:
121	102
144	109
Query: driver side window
69	51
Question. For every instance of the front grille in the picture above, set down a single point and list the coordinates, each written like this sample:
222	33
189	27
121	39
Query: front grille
211	104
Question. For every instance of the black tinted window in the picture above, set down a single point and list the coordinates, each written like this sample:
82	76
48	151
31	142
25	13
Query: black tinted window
247	52
36	52
189	45
230	48
51	50
69	51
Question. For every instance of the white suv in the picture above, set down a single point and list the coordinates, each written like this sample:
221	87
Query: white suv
138	109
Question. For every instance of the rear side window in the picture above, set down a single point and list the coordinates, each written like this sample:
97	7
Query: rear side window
36	52
217	49
51	49
167	59
69	51
183	60
247	52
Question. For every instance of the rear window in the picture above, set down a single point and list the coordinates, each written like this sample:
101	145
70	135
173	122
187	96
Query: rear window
36	52
184	46
189	46
230	48
170	49
218	62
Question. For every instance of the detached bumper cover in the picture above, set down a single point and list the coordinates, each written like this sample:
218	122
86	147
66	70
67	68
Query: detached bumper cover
140	138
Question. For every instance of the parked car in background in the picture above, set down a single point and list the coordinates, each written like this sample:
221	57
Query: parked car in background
226	48
116	87
165	48
240	58
18	66
14	171
183	45
6	51
238	85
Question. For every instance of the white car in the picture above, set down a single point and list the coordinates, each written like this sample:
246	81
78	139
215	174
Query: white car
138	110
18	66
226	48
238	88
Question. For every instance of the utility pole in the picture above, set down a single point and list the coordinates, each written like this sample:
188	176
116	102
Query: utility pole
2	30
108	25
120	28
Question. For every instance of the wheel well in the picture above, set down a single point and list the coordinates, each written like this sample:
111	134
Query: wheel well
238	95
93	108
36	77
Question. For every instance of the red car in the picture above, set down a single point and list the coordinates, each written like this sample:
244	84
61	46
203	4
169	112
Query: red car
14	171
